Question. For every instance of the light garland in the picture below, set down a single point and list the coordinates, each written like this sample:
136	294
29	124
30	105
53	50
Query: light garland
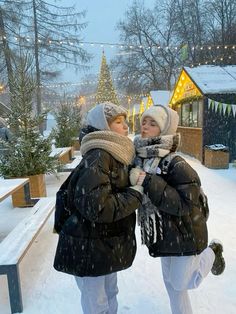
60	85
119	45
214	60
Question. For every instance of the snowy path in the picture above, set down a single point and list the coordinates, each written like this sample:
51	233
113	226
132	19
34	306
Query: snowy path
142	291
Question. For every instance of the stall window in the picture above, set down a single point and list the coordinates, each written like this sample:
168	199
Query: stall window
185	116
191	114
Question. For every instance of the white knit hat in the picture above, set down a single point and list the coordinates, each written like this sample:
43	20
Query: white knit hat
166	118
100	115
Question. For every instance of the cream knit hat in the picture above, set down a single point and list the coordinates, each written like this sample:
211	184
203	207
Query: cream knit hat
166	118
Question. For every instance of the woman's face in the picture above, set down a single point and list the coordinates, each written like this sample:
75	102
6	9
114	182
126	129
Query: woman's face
149	128
119	125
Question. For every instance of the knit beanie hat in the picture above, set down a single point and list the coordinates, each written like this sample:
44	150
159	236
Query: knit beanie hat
166	118
101	115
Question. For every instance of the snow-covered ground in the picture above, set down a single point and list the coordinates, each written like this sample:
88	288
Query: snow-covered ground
46	291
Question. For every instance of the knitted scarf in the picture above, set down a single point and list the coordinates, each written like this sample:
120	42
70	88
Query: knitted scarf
149	153
119	146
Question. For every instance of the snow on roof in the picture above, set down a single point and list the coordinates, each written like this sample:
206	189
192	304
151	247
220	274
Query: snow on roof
214	79
160	97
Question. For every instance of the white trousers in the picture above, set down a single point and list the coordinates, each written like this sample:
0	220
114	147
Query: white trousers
98	294
181	273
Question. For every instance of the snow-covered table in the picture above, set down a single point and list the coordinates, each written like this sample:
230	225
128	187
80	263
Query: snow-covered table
9	186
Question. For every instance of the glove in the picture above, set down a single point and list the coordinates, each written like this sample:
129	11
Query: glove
134	175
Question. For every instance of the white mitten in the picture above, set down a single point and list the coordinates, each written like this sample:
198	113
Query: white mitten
134	175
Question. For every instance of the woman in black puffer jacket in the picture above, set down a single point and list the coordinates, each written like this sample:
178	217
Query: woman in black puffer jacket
173	224
99	237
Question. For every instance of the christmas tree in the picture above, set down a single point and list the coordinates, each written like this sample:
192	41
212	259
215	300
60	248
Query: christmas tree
105	90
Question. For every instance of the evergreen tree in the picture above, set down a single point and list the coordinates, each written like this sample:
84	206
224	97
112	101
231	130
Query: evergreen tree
105	90
68	120
28	152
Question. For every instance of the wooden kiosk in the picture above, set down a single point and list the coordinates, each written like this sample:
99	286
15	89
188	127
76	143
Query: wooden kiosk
205	99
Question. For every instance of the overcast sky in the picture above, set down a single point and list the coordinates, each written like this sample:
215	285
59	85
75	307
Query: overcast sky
102	17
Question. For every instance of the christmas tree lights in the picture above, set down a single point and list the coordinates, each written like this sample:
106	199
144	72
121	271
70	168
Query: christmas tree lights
105	90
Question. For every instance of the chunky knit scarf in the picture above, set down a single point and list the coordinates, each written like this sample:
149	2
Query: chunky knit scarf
119	146
149	153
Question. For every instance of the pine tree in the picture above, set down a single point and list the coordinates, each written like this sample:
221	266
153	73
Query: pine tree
68	120
105	90
28	152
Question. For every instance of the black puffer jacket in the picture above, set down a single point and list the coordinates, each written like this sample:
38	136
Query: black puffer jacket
99	238
176	195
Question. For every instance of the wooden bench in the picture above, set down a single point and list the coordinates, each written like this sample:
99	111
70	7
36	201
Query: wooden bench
64	154
72	165
16	244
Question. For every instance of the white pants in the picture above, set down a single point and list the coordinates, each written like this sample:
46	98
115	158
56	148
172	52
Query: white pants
181	273
98	294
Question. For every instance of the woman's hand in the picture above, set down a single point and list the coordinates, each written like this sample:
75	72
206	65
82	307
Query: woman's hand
141	178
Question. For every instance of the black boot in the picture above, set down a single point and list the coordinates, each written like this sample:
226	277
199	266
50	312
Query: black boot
219	263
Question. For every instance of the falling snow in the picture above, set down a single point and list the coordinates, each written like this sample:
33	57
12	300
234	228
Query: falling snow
46	291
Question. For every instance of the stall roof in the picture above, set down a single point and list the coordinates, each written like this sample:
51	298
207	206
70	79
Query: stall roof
214	79
160	97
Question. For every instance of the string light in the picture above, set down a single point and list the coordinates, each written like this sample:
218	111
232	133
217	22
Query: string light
220	58
121	45
60	85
